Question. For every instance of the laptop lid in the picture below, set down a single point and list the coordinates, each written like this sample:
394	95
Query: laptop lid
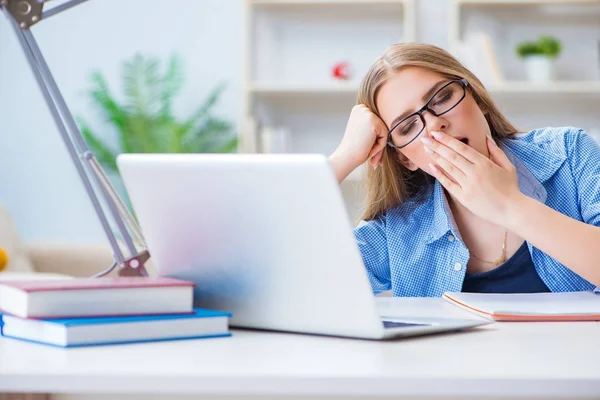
264	236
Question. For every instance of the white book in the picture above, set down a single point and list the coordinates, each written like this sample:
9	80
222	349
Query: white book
85	297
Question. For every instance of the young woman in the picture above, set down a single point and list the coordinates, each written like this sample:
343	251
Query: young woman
457	198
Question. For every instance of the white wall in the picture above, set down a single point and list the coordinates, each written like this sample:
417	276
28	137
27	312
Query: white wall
38	181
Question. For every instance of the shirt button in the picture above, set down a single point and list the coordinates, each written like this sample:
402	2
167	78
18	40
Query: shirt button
457	267
450	238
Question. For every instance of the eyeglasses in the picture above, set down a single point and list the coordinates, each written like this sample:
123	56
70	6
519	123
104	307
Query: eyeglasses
445	99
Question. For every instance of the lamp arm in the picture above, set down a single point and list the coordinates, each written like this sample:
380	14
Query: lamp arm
23	14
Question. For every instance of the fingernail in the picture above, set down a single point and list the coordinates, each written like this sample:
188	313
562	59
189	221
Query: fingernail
433	168
436	134
428	150
426	141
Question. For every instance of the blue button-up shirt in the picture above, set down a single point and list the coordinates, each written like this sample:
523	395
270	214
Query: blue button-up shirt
416	249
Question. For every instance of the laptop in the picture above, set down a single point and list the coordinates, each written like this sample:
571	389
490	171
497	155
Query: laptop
266	237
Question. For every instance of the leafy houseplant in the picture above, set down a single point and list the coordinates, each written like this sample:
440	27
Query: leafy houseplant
546	46
145	122
538	57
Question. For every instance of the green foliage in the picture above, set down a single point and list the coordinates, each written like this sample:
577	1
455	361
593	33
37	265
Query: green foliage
145	122
545	45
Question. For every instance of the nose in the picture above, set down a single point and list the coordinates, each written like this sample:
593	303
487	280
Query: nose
434	123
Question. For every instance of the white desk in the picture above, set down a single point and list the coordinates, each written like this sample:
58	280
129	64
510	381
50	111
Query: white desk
511	359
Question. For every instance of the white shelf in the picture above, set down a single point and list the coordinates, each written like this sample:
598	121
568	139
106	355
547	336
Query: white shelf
526	2
351	88
297	88
324	2
509	22
565	87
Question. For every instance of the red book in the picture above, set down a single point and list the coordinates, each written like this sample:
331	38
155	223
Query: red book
86	297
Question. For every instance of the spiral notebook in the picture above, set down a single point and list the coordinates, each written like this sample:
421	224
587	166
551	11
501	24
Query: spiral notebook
564	306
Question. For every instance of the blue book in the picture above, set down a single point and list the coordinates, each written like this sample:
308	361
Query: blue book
72	332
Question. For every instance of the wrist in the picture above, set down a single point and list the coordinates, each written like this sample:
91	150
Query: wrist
517	211
341	164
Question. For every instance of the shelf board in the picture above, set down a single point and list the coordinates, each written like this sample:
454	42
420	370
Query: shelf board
527	2
322	2
557	87
297	88
351	88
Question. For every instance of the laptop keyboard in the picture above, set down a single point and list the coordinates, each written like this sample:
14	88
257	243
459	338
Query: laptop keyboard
394	324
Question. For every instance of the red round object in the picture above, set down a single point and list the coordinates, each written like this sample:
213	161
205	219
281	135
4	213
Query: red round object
341	70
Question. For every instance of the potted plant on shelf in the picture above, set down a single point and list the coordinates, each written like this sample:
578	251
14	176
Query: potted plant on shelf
539	58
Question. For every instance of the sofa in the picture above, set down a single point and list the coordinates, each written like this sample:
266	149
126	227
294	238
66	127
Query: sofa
47	261
50	259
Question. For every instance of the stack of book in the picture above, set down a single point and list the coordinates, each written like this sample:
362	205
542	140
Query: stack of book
94	311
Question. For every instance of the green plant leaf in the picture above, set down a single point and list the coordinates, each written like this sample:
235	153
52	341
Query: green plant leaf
212	133
549	46
545	45
140	84
142	136
172	82
100	94
175	144
205	108
528	48
229	147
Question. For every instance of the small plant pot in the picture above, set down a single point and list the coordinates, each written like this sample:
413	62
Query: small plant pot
539	69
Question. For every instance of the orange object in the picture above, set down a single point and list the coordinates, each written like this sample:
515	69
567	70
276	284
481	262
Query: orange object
3	259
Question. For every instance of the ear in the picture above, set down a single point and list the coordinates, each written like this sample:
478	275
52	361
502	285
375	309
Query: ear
407	163
485	110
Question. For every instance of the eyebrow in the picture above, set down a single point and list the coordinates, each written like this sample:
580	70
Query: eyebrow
425	97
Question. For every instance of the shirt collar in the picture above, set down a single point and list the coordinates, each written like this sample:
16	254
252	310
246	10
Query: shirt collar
534	166
531	150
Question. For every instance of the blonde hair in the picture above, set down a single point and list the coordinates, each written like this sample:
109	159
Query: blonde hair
392	184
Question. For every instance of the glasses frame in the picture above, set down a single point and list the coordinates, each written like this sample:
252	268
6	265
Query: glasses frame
463	83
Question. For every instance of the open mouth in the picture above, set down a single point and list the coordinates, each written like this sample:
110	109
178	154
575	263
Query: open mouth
464	140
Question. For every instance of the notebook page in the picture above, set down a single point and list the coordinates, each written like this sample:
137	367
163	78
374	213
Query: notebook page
532	303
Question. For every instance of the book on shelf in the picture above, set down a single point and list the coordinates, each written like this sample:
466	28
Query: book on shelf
562	306
249	142
85	297
275	139
476	52
91	331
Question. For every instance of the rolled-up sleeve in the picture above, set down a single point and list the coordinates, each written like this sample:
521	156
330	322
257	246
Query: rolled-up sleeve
372	242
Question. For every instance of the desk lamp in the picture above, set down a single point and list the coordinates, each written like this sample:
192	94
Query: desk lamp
23	14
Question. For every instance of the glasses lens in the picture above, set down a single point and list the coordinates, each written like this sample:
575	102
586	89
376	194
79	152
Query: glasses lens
447	98
407	130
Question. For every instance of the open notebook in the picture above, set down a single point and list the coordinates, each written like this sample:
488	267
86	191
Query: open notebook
567	306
